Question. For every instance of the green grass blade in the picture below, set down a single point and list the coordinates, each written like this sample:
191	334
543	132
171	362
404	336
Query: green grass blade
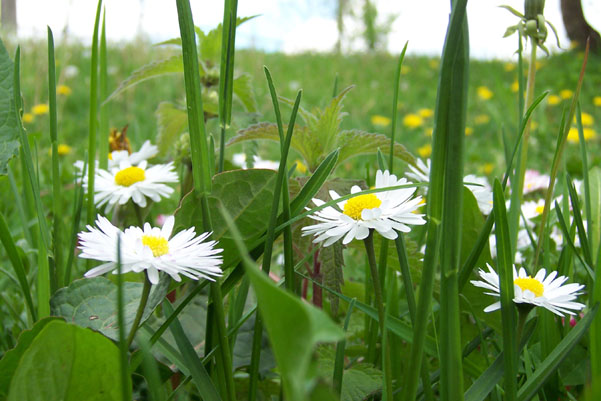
17	263
43	276
561	143
339	359
487	381
93	119
56	180
505	271
577	213
267	252
78	196
226	76
585	176
103	128
199	374
395	105
552	361
199	144
566	233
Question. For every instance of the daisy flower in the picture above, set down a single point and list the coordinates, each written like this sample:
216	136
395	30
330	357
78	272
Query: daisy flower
124	182
481	190
384	212
543	290
146	152
421	173
151	249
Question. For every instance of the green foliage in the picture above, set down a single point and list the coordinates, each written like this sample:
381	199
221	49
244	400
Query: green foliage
67	362
92	302
9	131
321	134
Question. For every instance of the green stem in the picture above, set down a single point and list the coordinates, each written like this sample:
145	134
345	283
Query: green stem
371	257
523	312
139	216
140	312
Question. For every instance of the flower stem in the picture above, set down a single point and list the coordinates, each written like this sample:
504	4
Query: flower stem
522	317
371	257
139	216
140	312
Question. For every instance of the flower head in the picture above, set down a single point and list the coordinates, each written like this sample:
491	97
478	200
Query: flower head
484	93
146	152
39	109
150	249
63	90
380	121
385	212
413	120
543	290
124	182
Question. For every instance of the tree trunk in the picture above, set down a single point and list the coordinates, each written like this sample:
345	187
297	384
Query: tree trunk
576	26
9	15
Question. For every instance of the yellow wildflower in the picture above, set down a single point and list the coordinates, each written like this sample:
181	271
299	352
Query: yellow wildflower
433	63
429	131
40	109
413	121
597	101
533	125
63	90
566	94
300	166
488	168
63	149
27	118
380	121
425	151
553	100
588	134
484	93
509	67
469	131
587	119
515	86
425	113
405	70
482	119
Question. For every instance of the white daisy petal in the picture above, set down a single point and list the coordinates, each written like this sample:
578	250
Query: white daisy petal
151	249
548	292
386	212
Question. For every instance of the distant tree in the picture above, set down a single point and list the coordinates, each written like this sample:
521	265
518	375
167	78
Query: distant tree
341	10
577	27
9	15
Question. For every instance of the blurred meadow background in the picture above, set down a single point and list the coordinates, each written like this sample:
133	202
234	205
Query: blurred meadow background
344	56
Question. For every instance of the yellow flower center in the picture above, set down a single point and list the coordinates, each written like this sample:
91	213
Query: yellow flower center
158	245
129	176
531	284
540	209
354	206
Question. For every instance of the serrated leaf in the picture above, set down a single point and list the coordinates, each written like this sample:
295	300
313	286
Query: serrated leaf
209	44
328	121
171	121
356	142
174	41
155	69
10	360
244	92
332	262
92	303
67	362
358	382
9	128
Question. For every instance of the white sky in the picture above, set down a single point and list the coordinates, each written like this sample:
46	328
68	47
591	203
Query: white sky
292	25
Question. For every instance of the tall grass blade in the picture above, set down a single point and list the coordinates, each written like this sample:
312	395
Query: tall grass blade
226	76
123	352
93	119
395	105
199	374
340	347
56	179
505	270
78	195
103	136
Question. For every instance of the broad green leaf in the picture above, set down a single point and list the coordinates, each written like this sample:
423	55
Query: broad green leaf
293	349
209	44
92	302
10	361
328	121
358	382
356	142
9	132
155	69
244	92
171	121
245	194
70	363
243	348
